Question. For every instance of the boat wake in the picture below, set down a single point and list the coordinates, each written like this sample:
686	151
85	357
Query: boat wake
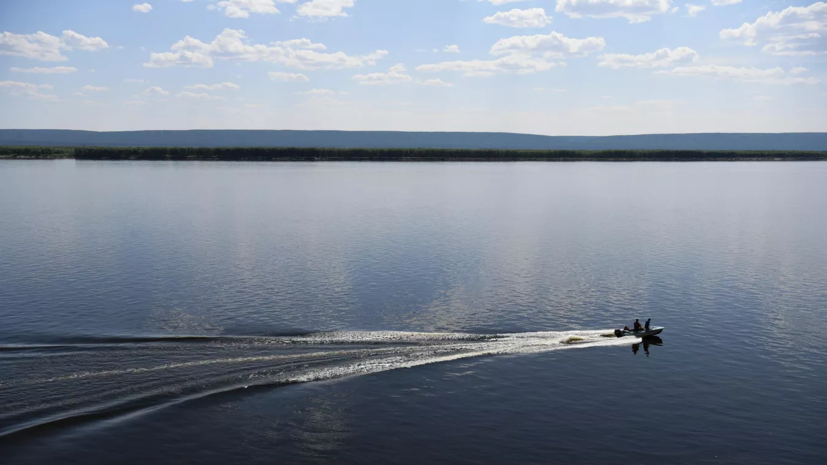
69	381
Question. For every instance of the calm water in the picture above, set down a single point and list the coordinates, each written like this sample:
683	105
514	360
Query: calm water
218	313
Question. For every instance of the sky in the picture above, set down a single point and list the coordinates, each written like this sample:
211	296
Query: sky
556	67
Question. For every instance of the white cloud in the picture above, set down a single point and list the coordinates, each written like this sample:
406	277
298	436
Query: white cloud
659	59
518	63
301	43
243	8
229	45
553	45
135	102
46	47
534	17
93	89
524	55
397	74
725	2
796	30
635	11
451	49
155	90
435	83
142	8
324	8
179	58
198	96
288	77
742	74
693	10
91	44
762	98
55	70
221	86
798	70
28	90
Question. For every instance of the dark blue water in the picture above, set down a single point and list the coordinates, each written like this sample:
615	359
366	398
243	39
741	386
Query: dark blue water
412	313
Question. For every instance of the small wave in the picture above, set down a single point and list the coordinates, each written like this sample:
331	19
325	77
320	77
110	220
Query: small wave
115	340
386	337
24	347
98	377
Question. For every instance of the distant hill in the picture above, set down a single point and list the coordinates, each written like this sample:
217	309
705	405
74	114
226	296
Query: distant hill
390	139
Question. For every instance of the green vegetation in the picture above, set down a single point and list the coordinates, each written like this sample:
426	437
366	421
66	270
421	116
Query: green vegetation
7	152
322	154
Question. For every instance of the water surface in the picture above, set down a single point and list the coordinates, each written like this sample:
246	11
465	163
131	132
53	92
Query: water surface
411	313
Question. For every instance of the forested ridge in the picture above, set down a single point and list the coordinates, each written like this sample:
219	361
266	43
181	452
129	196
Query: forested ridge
812	141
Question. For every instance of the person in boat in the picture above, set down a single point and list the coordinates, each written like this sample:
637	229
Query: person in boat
638	326
648	322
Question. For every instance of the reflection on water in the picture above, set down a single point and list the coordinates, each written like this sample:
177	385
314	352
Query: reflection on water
322	428
221	248
646	342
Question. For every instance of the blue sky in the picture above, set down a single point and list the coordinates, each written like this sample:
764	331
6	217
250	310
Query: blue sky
555	67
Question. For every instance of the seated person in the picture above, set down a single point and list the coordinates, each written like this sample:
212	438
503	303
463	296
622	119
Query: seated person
638	326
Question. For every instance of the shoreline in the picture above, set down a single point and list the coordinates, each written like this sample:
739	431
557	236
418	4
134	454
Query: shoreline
287	154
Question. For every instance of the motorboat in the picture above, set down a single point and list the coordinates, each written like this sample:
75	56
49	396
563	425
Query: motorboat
653	331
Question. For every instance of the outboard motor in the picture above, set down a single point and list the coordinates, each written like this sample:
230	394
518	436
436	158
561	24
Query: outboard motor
618	333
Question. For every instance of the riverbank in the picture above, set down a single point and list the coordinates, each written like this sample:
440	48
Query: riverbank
328	154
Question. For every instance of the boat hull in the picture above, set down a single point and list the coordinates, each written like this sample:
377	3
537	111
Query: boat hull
644	333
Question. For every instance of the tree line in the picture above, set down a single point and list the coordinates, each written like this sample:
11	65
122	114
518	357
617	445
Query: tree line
360	154
36	152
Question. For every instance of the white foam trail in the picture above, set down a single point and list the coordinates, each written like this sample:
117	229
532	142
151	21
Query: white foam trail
145	375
